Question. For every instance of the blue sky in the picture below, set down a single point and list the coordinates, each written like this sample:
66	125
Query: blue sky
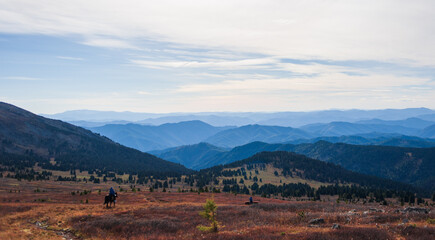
193	56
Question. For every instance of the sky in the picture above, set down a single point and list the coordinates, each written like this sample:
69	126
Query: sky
204	56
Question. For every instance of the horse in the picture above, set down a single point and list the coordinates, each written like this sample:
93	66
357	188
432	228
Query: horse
110	199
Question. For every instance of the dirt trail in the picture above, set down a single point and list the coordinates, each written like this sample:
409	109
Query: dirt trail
65	234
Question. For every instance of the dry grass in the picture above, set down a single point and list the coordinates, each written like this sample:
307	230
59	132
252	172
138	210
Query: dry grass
268	176
157	215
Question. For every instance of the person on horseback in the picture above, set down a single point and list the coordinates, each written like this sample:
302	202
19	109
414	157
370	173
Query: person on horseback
111	198
112	192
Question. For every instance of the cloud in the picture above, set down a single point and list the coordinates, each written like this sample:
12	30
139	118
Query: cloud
391	30
144	93
20	78
109	43
332	82
216	64
235	55
70	58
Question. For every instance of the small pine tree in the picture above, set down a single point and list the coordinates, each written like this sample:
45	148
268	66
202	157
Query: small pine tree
209	213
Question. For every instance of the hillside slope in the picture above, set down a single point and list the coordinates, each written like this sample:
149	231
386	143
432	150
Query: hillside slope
250	133
413	122
371	139
290	165
191	156
346	128
428	132
26	139
408	165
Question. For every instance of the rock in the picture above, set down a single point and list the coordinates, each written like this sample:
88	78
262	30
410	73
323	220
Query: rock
335	226
313	226
352	212
317	221
376	210
415	210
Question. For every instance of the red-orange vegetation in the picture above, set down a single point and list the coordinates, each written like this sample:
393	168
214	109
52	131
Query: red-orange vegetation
49	210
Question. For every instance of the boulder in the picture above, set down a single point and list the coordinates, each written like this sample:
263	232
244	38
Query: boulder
376	210
415	210
317	221
335	226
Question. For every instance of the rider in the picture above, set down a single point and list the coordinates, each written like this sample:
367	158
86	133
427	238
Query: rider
112	192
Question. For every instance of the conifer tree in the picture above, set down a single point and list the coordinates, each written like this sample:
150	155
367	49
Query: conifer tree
209	213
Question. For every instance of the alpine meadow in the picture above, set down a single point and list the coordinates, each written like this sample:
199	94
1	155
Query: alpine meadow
215	119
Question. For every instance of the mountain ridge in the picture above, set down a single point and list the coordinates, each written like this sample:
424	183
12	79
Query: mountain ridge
30	138
409	165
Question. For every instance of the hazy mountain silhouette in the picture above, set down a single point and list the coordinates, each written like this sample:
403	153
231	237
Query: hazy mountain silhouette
246	134
414	122
346	128
191	156
286	119
428	132
147	138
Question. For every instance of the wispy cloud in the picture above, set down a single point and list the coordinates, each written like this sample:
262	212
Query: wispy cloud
20	78
321	83
345	30
216	64
70	58
110	43
223	55
144	93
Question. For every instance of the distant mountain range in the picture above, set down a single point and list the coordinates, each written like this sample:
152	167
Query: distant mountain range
150	138
250	133
286	119
27	140
147	138
346	128
395	140
415	123
410	165
192	156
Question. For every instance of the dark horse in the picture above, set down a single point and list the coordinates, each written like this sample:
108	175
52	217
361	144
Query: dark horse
110	199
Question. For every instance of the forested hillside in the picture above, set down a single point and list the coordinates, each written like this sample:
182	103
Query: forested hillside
27	139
